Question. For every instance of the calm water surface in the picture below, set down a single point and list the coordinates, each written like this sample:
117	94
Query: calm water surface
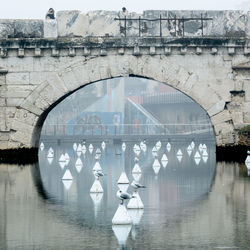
187	205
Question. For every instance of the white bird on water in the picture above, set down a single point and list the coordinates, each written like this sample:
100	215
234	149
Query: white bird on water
124	196
137	185
98	174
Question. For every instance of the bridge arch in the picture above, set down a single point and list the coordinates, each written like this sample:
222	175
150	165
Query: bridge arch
58	85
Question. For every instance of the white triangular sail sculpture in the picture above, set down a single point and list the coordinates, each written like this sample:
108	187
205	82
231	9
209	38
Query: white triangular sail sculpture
136	169
192	145
179	153
121	216
79	150
247	162
168	147
164	160
135	203
123	146
204	152
136	176
67	158
75	147
84	149
200	147
179	158
189	150
42	146
205	158
50	159
91	148
50	153
158	145
96	187
136	215
67	184
123	179
67	175
103	145
197	160
197	155
62	161
78	165
121	233
97	167
156	163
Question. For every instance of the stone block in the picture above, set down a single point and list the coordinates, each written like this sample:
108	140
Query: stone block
26	117
4	136
43	104
136	51
55	52
121	51
103	52
231	51
3	52
17	79
152	50
49	94
167	50
69	79
14	144
221	117
28	28
214	51
198	50
246	88
4	145
238	85
6	28
215	109
31	107
20	52
237	118
72	52
183	51
22	137
50	28
14	102
21	126
37	52
2	102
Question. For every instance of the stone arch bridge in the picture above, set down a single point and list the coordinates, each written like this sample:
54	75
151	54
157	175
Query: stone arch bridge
43	61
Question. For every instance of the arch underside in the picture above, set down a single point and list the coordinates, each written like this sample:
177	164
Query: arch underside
58	85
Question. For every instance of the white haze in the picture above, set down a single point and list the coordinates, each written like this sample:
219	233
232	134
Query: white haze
38	8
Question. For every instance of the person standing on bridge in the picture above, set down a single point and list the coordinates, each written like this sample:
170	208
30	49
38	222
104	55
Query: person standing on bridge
50	14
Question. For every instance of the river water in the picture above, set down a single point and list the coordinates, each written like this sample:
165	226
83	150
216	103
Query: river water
187	204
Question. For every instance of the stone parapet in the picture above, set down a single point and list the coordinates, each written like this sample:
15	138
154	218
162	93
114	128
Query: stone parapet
74	23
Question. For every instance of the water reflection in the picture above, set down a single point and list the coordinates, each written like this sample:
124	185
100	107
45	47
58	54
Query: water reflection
32	218
171	183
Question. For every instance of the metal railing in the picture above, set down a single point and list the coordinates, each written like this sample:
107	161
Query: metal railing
125	129
176	21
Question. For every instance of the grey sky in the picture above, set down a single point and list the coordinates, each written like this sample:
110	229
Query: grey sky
38	8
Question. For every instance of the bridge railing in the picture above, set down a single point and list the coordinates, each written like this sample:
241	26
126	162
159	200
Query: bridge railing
176	25
125	129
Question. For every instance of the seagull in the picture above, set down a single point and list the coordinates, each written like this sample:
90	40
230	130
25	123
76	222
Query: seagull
98	174
124	196
137	185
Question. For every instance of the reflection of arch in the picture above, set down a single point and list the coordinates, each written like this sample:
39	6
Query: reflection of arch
59	85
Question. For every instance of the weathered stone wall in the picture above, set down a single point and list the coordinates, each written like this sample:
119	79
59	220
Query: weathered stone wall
74	23
36	73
